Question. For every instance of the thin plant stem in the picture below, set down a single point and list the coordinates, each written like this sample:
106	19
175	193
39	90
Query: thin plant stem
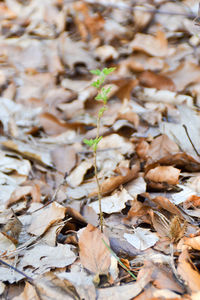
189	138
96	176
119	261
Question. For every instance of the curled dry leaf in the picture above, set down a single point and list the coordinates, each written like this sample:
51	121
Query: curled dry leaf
161	147
43	219
77	175
29	292
22	191
124	175
188	272
94	255
158	81
165	203
37	153
193	242
163	174
153	45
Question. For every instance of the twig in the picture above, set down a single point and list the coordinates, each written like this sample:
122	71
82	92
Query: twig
193	146
16	270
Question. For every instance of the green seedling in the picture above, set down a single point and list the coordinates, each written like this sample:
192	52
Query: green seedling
102	96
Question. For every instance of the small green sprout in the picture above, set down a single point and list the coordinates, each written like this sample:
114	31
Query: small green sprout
102	96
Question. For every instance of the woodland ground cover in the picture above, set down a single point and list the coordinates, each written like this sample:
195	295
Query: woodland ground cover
147	159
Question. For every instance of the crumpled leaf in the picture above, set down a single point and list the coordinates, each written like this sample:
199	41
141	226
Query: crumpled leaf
141	239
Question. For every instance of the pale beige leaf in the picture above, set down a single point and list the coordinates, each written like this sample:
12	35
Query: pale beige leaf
112	204
77	175
43	219
153	45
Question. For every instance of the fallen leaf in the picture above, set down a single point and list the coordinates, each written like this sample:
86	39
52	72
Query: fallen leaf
141	239
153	45
188	272
167	174
28	293
43	219
23	191
158	81
77	175
161	147
112	204
124	292
42	258
94	255
165	203
125	175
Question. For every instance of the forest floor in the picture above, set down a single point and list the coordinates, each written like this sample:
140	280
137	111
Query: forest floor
148	160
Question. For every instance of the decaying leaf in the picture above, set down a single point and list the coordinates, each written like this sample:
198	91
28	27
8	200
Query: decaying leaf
188	272
43	219
94	255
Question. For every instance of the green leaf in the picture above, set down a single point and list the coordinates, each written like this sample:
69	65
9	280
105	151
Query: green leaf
99	96
96	72
107	71
101	111
90	142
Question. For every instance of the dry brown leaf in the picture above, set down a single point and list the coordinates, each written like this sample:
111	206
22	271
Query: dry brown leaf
28	293
64	158
94	255
158	81
77	175
192	201
43	219
153	45
49	286
125	175
127	291
163	174
161	147
185	74
162	277
188	272
30	151
22	191
165	203
138	213
142	149
52	125
193	242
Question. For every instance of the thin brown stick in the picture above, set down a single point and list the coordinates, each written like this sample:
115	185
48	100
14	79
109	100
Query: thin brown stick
96	177
193	146
16	270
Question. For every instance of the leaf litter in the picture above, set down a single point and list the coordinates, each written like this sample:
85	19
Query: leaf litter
148	159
